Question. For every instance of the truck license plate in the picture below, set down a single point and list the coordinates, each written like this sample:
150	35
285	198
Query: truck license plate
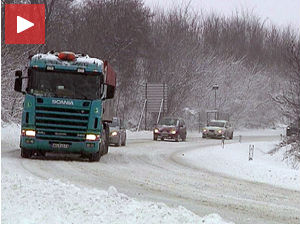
60	145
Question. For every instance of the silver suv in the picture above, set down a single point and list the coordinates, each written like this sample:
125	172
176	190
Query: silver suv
218	129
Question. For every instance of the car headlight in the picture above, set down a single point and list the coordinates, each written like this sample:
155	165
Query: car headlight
220	131
204	130
30	133
173	131
114	133
92	137
156	130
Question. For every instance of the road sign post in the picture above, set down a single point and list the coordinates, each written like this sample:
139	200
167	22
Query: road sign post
156	96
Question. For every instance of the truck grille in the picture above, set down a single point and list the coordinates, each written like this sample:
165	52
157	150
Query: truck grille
61	124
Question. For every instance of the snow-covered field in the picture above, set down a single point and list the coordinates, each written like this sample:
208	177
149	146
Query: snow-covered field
30	199
233	160
263	132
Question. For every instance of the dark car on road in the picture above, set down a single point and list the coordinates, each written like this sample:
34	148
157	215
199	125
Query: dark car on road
117	132
170	128
218	129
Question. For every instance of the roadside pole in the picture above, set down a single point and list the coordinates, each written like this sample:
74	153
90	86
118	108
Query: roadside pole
223	141
251	152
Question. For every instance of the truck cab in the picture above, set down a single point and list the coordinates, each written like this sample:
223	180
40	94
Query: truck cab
67	105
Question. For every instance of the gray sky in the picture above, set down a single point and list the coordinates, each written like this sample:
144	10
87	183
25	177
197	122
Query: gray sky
278	12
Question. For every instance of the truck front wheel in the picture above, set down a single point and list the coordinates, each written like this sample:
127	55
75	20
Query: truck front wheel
95	157
26	153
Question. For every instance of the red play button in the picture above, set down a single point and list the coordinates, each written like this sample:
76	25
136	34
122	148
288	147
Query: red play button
24	23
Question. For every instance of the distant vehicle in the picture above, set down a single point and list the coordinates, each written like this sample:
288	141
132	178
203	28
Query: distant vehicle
218	129
117	132
170	128
292	129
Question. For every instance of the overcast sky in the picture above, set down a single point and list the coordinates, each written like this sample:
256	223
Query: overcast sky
279	12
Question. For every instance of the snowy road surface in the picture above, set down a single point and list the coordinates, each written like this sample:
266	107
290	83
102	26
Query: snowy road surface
162	172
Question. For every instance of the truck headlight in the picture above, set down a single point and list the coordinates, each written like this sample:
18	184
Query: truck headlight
156	130
204	130
220	131
92	137
114	133
29	133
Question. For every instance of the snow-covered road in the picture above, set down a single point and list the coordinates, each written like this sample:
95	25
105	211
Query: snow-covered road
158	172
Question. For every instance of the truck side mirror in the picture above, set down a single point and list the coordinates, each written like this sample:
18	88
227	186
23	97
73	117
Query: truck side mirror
18	84
18	73
110	92
18	81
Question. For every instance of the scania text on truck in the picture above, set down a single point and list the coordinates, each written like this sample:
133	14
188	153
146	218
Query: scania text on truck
67	105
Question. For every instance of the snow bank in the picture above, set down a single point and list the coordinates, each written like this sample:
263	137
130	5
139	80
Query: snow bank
139	134
233	161
31	200
10	134
260	132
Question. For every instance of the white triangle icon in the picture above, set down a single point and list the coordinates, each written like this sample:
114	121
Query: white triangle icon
23	24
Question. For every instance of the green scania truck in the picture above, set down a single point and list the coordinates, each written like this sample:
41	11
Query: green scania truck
67	105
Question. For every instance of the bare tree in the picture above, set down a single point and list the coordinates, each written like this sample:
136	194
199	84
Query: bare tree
289	97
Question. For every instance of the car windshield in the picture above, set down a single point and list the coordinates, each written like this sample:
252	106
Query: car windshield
168	122
65	85
216	124
114	123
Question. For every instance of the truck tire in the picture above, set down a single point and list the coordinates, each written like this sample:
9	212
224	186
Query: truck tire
176	138
95	157
26	153
231	137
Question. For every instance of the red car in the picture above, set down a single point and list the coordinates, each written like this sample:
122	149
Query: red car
170	128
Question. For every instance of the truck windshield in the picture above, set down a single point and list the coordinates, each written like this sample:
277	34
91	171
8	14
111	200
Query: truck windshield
216	124
64	85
